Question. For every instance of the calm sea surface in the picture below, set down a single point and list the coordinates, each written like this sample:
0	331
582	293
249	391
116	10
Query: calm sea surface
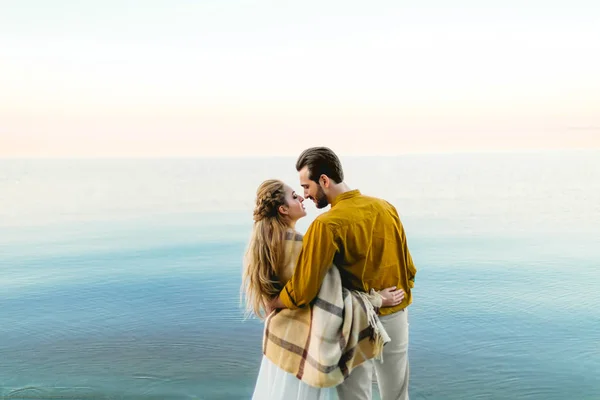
120	277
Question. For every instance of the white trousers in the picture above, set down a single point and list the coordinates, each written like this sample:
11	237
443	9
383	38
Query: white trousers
392	373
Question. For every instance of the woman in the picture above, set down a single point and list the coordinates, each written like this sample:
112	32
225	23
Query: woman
270	259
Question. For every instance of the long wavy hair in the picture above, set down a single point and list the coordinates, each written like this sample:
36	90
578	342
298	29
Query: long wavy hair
265	254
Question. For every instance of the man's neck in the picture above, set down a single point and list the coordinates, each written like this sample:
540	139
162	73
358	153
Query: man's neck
336	190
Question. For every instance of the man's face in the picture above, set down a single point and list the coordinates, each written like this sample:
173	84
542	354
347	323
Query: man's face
312	190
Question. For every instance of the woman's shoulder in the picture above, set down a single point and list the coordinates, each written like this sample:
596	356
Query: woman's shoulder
293	235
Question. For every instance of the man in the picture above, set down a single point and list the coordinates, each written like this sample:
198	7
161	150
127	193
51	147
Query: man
365	239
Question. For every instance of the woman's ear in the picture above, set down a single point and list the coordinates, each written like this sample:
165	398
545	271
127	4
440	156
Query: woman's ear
283	210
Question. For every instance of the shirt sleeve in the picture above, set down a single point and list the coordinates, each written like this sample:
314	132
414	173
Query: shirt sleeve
318	251
408	261
412	270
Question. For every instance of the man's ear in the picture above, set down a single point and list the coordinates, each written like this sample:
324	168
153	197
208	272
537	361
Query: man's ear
283	210
324	181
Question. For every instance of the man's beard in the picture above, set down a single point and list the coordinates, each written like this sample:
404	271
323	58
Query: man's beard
321	199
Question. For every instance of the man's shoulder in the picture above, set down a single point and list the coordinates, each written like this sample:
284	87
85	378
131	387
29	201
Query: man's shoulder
328	219
350	212
325	218
378	201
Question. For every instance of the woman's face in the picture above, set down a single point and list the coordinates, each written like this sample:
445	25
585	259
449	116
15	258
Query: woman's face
294	208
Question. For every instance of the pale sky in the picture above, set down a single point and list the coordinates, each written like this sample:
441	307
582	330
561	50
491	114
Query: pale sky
230	78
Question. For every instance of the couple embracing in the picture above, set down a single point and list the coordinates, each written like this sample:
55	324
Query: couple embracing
335	300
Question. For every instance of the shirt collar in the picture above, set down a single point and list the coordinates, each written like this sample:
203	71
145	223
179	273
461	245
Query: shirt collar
346	195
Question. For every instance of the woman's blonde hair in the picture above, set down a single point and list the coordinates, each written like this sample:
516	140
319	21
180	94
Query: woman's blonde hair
265	254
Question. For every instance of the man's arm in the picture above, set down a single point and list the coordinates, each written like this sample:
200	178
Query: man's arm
318	251
408	261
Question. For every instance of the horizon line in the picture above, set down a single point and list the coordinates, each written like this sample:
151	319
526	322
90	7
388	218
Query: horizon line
257	156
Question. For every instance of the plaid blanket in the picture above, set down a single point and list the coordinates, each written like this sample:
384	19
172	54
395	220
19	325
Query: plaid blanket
322	343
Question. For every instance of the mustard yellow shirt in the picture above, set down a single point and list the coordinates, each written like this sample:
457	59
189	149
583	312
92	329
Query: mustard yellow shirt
364	238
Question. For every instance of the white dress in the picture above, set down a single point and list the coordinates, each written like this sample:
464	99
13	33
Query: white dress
273	383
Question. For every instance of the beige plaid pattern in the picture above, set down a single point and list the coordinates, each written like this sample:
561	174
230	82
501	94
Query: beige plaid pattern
322	343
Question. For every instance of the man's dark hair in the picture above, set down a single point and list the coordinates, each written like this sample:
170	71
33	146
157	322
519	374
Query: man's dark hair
321	161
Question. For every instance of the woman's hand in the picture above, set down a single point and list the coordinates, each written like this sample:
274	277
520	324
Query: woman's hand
391	296
273	304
